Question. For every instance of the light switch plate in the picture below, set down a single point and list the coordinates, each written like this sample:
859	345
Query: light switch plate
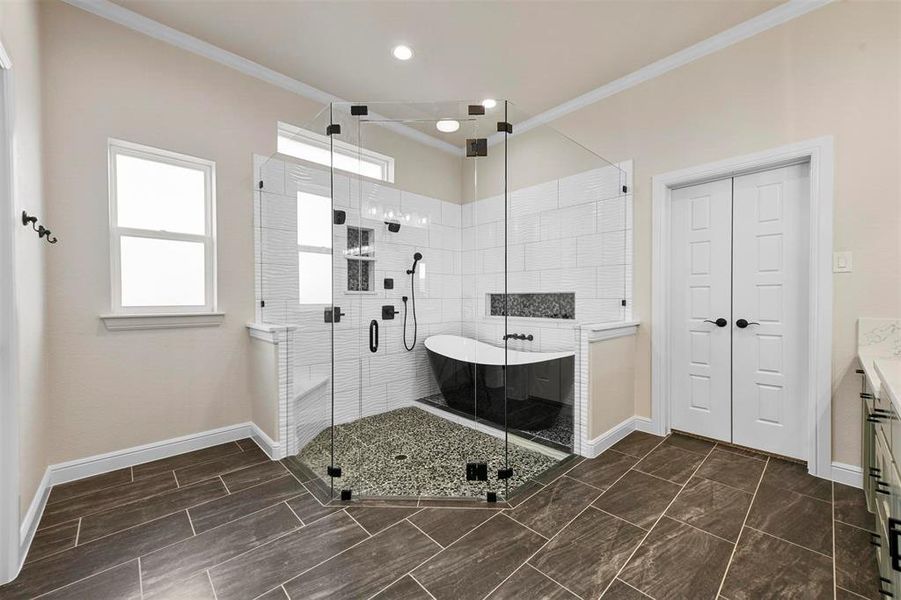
842	262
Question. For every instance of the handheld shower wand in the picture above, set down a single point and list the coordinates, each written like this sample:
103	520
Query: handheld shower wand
416	258
412	273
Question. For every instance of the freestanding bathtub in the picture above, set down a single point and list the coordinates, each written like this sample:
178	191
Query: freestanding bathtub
470	375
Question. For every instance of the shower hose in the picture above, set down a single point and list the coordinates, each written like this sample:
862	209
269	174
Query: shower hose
413	302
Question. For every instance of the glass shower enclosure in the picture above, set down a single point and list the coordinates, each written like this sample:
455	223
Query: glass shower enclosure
431	266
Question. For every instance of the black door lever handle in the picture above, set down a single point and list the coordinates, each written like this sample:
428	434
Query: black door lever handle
742	323
721	322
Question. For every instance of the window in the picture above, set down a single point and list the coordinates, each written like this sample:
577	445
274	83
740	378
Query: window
314	248
314	147
162	223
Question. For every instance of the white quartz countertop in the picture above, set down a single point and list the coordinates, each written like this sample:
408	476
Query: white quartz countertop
889	370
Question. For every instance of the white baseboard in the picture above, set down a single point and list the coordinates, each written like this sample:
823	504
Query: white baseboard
129	457
616	433
847	474
275	450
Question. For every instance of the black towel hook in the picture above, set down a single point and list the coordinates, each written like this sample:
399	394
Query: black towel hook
40	229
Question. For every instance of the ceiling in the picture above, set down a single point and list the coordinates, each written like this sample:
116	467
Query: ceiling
536	54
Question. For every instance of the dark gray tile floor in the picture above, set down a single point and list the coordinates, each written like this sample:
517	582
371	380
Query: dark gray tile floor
650	518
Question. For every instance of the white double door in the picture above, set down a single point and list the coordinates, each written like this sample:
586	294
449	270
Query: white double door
738	310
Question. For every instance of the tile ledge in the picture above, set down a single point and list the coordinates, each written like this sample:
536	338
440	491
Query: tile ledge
128	322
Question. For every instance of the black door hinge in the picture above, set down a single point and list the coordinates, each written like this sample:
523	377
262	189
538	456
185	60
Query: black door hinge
504	126
333	471
332	129
262	304
623	302
260	184
476	109
476	147
625	190
476	471
359	110
505	473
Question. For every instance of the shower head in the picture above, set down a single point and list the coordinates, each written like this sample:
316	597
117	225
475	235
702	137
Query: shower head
416	258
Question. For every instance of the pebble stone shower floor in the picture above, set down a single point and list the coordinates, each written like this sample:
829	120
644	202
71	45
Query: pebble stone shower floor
411	452
651	517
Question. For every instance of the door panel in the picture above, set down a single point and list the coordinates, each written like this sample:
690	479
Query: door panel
700	255
769	280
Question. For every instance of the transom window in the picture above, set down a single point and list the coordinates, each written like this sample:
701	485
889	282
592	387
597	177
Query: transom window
162	226
317	148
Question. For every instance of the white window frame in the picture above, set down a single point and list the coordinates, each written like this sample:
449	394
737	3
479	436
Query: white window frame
124	148
324	143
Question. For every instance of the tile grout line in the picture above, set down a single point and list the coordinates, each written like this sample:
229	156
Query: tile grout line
616	517
795	544
627	584
410	572
113	507
422	586
407	519
543	574
228	491
577	516
191	523
369	535
743	526
78	531
72	583
662	514
541	535
296	516
175	475
349	548
140	578
212	587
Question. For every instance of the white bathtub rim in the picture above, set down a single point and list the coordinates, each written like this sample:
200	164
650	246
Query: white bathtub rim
473	351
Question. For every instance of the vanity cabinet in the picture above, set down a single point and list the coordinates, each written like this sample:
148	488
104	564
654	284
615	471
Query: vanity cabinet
882	481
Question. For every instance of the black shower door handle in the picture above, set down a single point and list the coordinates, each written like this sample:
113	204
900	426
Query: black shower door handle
721	322
742	323
373	336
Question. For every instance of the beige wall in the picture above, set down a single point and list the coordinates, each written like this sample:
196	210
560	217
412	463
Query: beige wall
835	71
19	33
611	388
114	390
262	388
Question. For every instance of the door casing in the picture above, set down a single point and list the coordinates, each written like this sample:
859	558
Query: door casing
10	558
818	153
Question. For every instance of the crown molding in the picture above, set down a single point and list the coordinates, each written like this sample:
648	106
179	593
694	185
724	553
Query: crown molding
128	18
744	30
763	22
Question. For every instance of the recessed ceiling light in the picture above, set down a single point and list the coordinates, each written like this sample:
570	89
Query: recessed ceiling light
489	102
447	125
402	52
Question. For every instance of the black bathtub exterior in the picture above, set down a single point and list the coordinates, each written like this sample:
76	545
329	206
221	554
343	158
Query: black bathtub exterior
478	390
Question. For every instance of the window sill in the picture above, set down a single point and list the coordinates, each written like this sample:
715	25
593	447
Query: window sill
126	322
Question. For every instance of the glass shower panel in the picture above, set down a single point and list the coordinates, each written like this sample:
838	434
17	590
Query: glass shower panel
293	209
569	227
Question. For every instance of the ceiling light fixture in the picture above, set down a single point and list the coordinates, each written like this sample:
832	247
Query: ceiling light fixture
402	52
489	103
447	125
